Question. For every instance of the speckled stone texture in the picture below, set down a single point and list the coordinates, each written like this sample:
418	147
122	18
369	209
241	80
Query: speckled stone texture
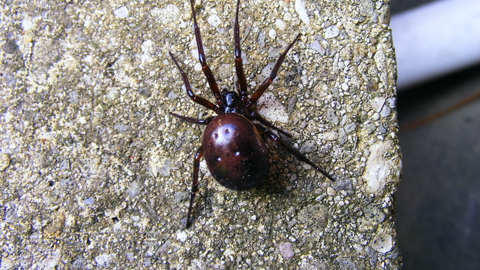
96	174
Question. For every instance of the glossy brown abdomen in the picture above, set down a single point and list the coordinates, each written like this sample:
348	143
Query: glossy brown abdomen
235	152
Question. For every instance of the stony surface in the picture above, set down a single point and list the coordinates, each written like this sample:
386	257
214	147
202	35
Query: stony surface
96	174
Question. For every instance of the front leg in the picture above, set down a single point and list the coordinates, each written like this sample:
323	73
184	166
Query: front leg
268	81
198	99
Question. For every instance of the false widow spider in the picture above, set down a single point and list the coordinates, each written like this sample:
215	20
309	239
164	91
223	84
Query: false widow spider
233	141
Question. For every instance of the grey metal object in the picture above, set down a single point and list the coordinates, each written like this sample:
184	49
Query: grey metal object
436	39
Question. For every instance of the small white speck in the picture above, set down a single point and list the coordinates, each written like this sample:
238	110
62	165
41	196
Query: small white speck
168	14
287	16
197	67
27	24
214	20
382	242
302	11
266	71
89	201
272	33
280	24
51	261
377	103
121	12
377	167
317	47
104	259
332	31
182	236
385	111
286	250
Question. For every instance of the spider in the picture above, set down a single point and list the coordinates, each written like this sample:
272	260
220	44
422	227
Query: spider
233	142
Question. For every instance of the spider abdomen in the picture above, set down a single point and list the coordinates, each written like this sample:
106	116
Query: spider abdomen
235	152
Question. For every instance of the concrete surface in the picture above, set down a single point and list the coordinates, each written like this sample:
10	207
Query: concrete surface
96	174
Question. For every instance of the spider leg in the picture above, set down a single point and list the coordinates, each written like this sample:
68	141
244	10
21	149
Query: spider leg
193	120
242	81
193	192
292	150
265	122
259	92
195	98
203	61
